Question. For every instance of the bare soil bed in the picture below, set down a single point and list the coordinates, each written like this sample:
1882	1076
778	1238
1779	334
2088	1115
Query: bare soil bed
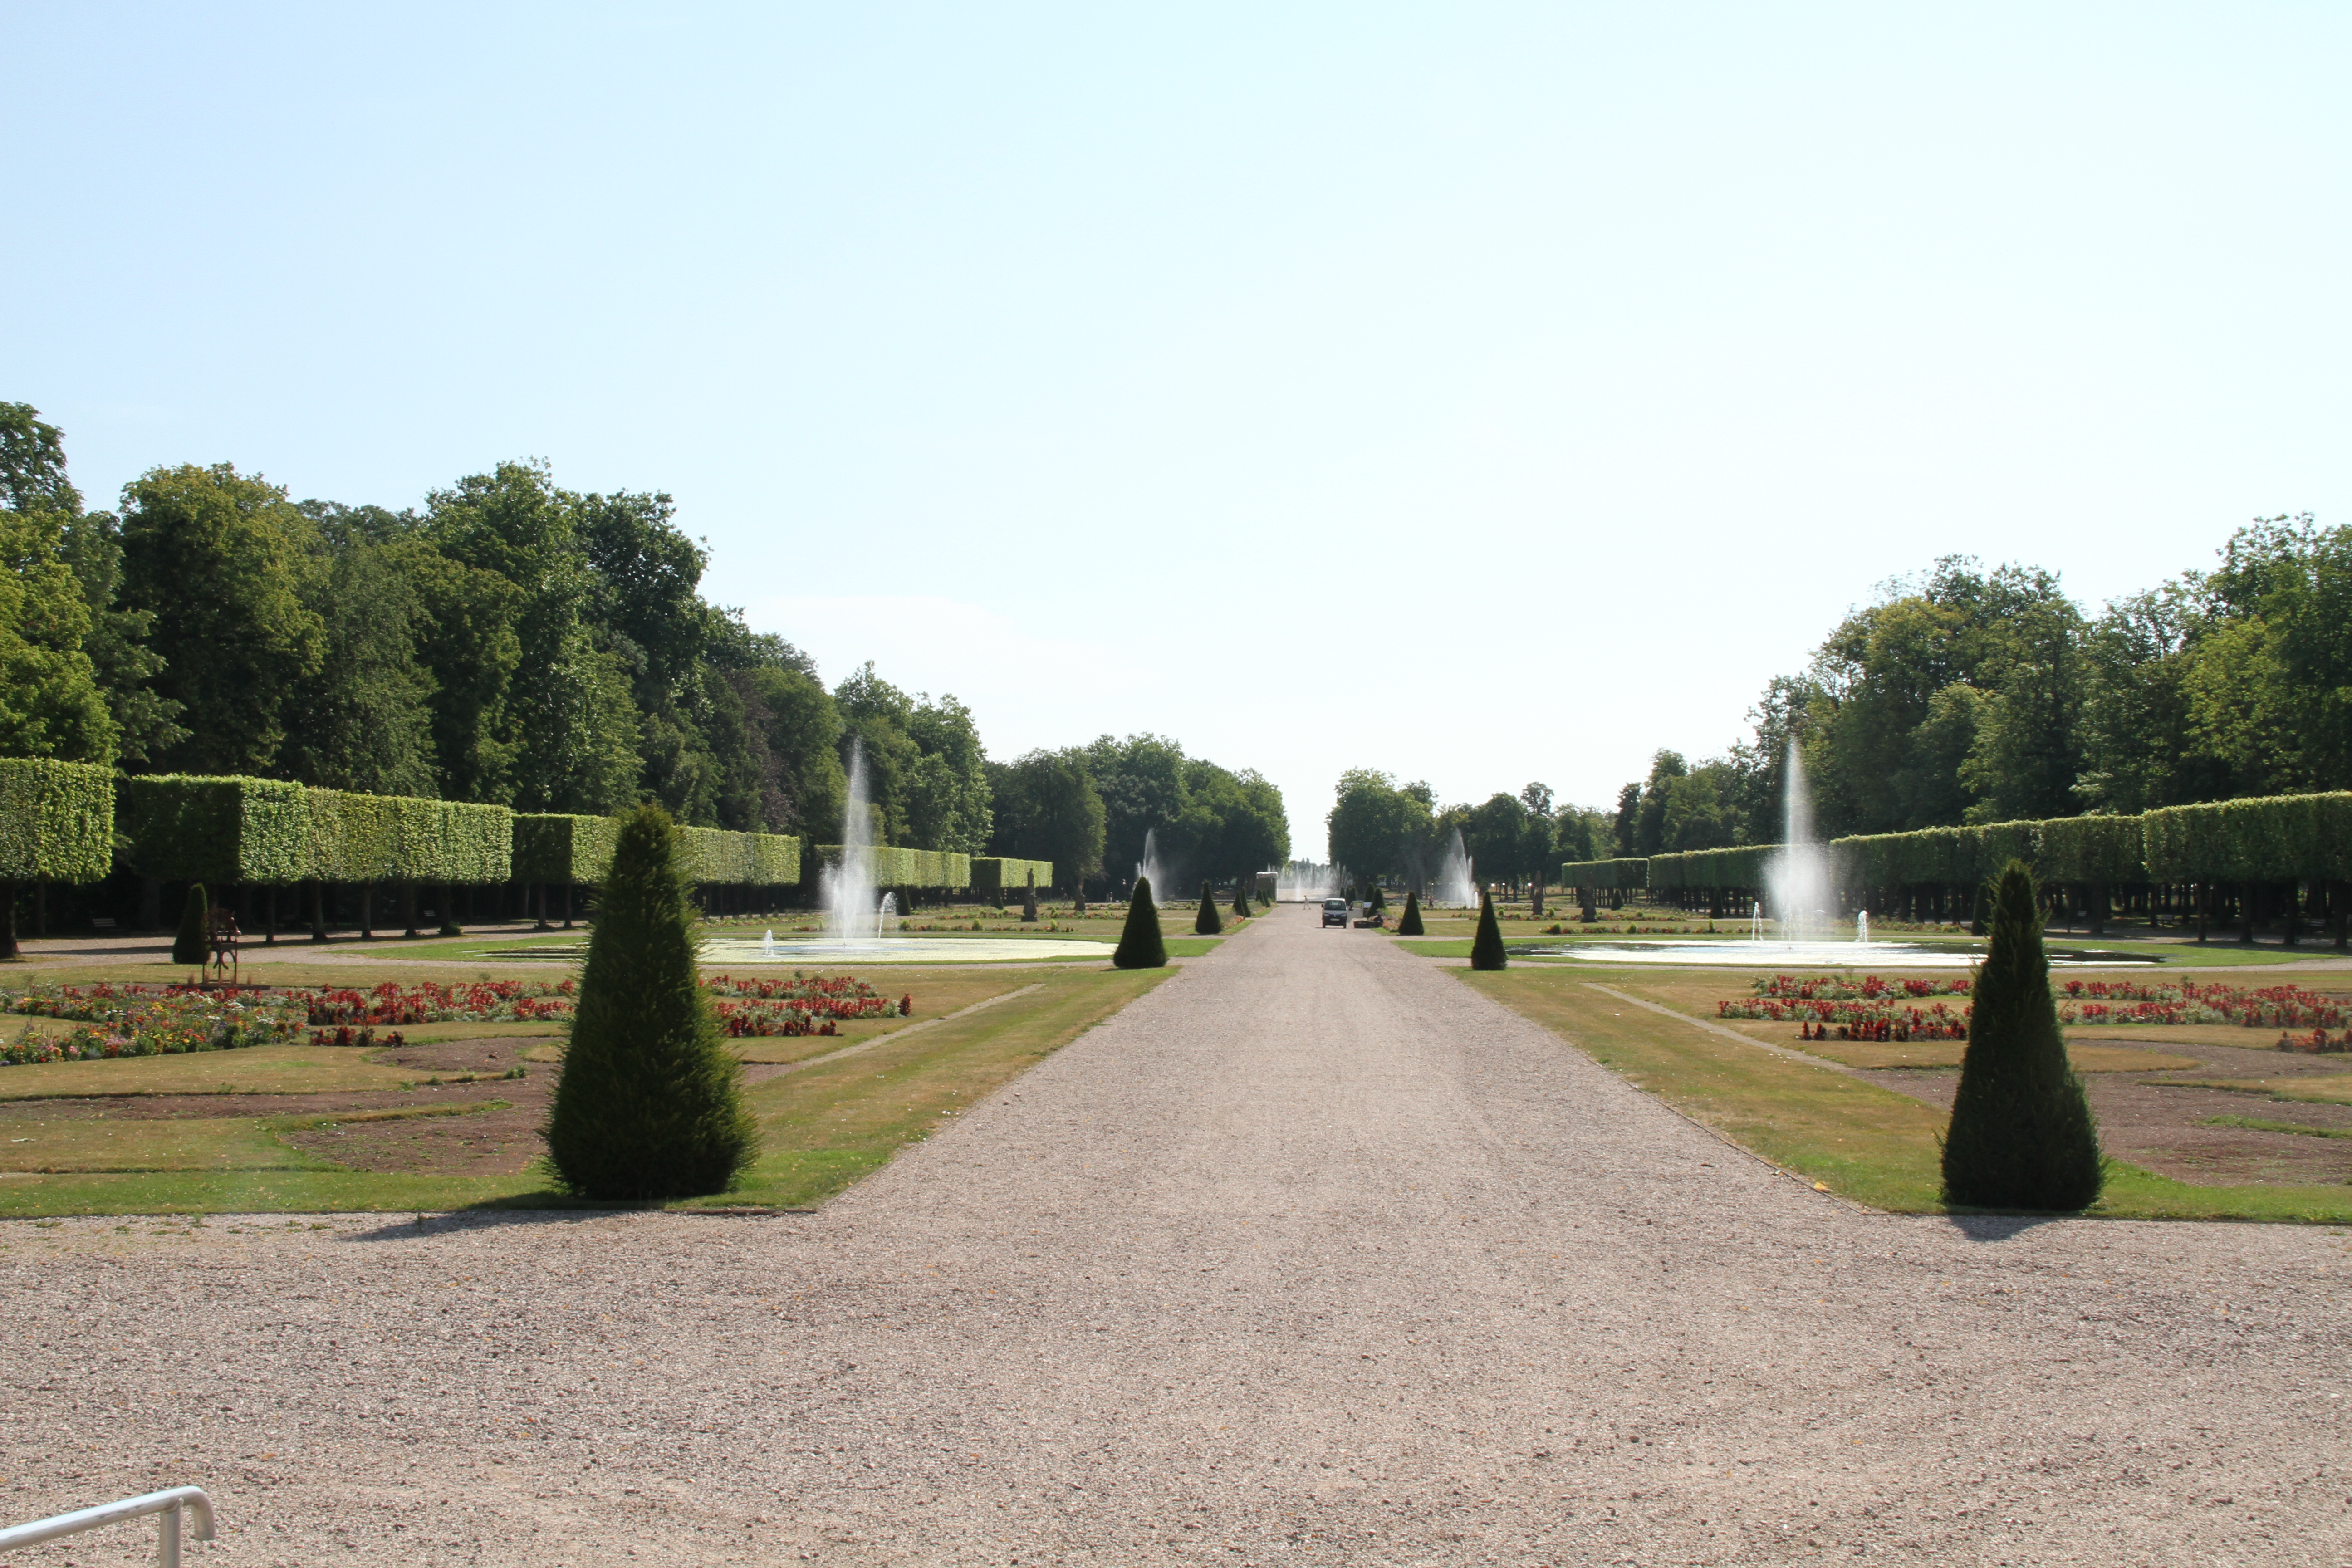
2166	1122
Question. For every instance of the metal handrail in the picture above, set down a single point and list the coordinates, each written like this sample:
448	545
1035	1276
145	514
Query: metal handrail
167	1503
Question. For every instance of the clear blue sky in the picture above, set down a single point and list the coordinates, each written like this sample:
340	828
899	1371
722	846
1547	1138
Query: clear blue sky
1478	392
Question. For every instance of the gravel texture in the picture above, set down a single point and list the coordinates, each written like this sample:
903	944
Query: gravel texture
1311	1256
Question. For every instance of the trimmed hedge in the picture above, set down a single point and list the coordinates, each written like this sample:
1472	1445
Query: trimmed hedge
994	874
2271	838
895	866
1741	867
551	847
2090	850
1605	873
1900	859
558	850
755	859
406	839
2268	838
227	830
56	821
184	828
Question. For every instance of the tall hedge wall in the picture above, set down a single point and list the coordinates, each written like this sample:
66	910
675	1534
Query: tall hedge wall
994	874
757	860
405	838
2270	839
1741	867
219	831
56	821
227	830
1605	873
550	847
898	867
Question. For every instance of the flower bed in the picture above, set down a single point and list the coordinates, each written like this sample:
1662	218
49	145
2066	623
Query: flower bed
143	1020
148	1021
1870	1008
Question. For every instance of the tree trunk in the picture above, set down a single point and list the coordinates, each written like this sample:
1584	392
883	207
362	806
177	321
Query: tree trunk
367	911
318	911
7	919
269	914
567	906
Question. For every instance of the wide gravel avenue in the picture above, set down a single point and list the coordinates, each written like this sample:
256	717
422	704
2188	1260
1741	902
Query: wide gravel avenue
1311	1256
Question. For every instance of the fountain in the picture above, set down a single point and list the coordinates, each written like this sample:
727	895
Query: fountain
1798	878
1798	886
861	923
851	913
1304	882
1160	872
1454	884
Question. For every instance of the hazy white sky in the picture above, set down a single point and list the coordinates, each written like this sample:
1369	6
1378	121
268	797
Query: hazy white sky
1480	392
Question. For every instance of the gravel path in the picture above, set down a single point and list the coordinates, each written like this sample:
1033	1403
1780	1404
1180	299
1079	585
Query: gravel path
1312	1255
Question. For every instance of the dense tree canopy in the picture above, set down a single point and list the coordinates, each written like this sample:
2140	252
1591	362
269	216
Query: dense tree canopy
1967	696
1970	696
514	642
1096	802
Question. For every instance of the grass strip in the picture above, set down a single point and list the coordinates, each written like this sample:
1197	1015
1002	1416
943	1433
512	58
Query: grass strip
2334	1088
829	1124
1857	1140
1860	1140
2260	1125
824	1127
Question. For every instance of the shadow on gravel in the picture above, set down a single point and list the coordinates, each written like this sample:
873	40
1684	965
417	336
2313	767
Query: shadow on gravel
1998	1227
418	1226
554	1210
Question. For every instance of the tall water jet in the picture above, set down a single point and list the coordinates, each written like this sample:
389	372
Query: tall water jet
1303	882
1799	877
1156	870
851	913
1454	883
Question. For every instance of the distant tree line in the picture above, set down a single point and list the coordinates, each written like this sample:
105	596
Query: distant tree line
1399	834
1965	695
519	644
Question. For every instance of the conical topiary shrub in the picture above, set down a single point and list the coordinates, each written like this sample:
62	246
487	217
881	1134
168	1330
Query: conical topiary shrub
649	1106
190	946
2022	1135
1139	944
1241	896
1487	947
1208	923
1409	924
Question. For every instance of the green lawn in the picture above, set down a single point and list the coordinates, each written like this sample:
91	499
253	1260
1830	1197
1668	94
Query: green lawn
830	1124
826	1126
2173	954
1852	1138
